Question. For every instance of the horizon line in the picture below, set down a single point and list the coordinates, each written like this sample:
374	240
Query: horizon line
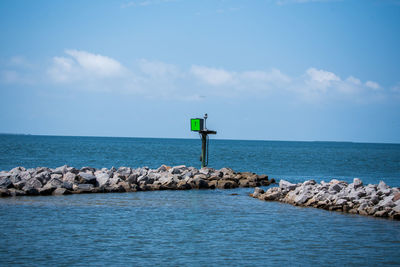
185	138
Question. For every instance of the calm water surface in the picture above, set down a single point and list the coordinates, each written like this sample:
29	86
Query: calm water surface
197	227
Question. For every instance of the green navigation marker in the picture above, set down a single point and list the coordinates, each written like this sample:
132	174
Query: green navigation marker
196	125
199	125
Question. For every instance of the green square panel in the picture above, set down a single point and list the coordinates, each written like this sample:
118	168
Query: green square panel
196	124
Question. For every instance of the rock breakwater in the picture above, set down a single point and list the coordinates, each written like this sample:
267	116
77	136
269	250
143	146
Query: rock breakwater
68	180
373	200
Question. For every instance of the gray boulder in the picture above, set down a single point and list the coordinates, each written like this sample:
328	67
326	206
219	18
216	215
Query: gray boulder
61	170
33	183
382	186
257	192
301	199
124	171
335	188
5	182
84	188
102	179
357	183
61	191
287	185
69	177
43	176
68	185
87	178
177	169
87	169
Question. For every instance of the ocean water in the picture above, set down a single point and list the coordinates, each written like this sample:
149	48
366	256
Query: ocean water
196	227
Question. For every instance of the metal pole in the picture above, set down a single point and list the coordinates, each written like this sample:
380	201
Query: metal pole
203	149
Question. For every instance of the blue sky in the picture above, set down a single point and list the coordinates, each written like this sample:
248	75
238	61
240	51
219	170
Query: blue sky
314	70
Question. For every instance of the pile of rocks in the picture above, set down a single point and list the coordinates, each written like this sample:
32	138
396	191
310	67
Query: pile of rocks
66	180
374	200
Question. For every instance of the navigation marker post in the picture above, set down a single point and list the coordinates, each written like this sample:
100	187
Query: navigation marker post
199	125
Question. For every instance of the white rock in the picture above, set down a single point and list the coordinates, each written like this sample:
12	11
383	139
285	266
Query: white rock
287	185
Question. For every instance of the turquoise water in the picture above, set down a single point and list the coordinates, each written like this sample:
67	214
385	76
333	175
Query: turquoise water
197	227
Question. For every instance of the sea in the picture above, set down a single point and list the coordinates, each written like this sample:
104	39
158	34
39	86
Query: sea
195	227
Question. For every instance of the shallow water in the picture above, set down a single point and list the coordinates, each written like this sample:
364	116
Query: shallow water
196	227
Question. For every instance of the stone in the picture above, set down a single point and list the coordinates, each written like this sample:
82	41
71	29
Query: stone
396	208
33	183
87	178
335	188
69	177
271	195
201	183
4	192
5	182
341	202
132	179
163	168
87	169
374	199
68	185
396	197
144	179
124	171
56	176
309	182
382	186
61	170
287	185
206	171
226	184
85	188
43	176
19	185
357	183
301	199
177	169
183	185
61	191
381	213
212	184
102	179
244	183
370	189
386	202
257	192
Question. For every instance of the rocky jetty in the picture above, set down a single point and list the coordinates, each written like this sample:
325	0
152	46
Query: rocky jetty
68	180
373	200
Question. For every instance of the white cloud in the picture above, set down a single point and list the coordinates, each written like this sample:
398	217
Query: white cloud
84	70
83	65
322	76
212	76
158	68
97	64
353	80
372	85
318	81
274	76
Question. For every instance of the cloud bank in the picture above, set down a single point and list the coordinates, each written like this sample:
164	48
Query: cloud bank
83	70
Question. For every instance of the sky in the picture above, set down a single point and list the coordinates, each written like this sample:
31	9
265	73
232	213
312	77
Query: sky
296	70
